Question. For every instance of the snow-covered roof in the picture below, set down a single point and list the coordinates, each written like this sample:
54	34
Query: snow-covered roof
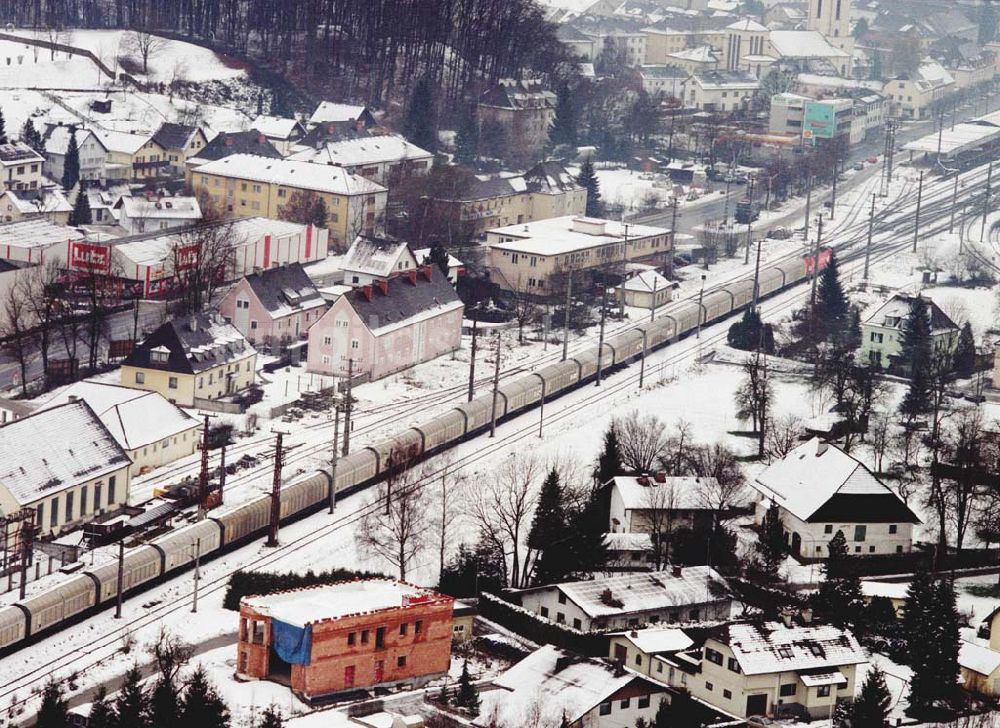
560	684
14	153
675	492
35	233
341	599
374	256
749	25
55	449
647	282
736	80
57	138
172	208
122	142
134	417
699	54
628	541
895	313
978	659
364	150
421	255
656	640
812	474
558	235
330	111
934	73
290	173
642	592
888	589
766	647
47	199
276	127
804	44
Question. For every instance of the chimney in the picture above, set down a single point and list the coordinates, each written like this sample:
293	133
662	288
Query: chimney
228	141
787	617
383	286
366	291
193	324
644	479
807	615
661	477
821	448
428	272
261	139
677	571
412	275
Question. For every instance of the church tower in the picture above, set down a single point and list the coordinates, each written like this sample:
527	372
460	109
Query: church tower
832	18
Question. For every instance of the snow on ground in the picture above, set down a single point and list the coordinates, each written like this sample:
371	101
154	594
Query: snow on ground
246	700
25	66
169	59
897	679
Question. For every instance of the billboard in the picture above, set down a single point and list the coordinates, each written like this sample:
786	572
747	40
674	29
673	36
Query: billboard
90	257
820	121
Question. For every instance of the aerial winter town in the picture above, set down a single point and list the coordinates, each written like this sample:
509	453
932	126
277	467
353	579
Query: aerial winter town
499	363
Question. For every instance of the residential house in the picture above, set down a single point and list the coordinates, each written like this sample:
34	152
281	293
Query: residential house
152	431
644	503
372	259
979	669
191	360
820	489
918	97
526	257
663	42
283	133
92	152
227	144
463	617
64	464
648	650
329	111
774	669
133	156
245	185
691	594
456	267
647	289
146	214
48	203
20	167
383	159
102	203
554	686
579	44
627	551
180	142
894	591
883	332
12	409
388	326
665	81
724	91
274	305
346	636
524	109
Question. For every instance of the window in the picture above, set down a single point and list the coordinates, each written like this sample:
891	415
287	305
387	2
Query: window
893	528
97	497
625	703
828	528
364	636
545	611
577	624
605	708
253	325
871	549
713	655
709	686
733	665
402	629
899	549
560	618
727	694
258	632
83	500
327	340
172	383
39	514
401	661
694	617
638	657
54	512
379	637
823	691
351	638
201	382
562	598
355	344
69	505
140	378
787	690
860	532
643	701
282	192
111	490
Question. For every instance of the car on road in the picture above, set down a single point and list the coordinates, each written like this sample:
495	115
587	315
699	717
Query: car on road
859	166
872	160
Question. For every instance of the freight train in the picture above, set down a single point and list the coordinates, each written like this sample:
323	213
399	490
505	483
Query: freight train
97	587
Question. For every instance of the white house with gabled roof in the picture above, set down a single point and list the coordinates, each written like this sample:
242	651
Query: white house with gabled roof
376	258
819	490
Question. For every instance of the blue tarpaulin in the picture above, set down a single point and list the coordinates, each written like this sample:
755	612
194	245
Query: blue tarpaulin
292	643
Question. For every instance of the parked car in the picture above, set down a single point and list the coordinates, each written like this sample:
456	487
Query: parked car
859	166
872	160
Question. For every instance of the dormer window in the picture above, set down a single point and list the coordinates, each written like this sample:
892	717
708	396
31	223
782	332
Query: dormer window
159	355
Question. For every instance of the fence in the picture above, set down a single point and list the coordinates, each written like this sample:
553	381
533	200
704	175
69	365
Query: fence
212	405
72	51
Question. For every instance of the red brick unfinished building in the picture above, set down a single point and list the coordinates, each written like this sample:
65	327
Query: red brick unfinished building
345	636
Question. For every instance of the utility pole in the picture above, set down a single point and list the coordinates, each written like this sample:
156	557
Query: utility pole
871	230
986	201
809	196
541	410
746	252
888	155
569	299
621	288
272	535
121	578
954	204
642	363
940	134
756	275
701	295
496	388
815	263
600	338
673	236
203	473
348	407
916	220
472	359
652	308
333	456
197	574
27	539
833	198
222	473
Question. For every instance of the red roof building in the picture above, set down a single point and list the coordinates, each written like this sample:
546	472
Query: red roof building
345	636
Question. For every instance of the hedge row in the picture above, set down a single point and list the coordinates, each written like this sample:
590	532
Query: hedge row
255	583
540	630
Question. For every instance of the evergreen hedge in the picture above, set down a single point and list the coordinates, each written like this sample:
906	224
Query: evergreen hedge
255	583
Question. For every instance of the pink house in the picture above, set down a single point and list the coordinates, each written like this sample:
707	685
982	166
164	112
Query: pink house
388	326
277	305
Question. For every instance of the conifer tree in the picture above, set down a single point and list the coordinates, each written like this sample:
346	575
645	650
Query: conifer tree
947	641
916	355
270	718
31	136
164	708
965	352
101	713
53	711
771	540
587	179
549	534
201	706
467	138
420	126
3	129
82	214
609	462
567	120
130	705
71	163
839	599
832	308
871	707
468	694
437	255
589	527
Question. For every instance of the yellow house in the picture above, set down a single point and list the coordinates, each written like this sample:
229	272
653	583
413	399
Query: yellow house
247	185
64	464
133	156
180	143
192	361
979	668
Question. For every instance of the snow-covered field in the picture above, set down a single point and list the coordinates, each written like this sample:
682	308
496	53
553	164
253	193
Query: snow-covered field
25	66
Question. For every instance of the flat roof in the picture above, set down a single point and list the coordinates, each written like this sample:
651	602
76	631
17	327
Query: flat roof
955	140
36	233
556	235
342	599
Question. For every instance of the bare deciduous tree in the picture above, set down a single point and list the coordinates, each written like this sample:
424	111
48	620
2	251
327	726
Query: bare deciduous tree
17	324
43	291
879	438
146	45
724	484
447	516
753	397
201	260
782	436
170	653
642	439
660	504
